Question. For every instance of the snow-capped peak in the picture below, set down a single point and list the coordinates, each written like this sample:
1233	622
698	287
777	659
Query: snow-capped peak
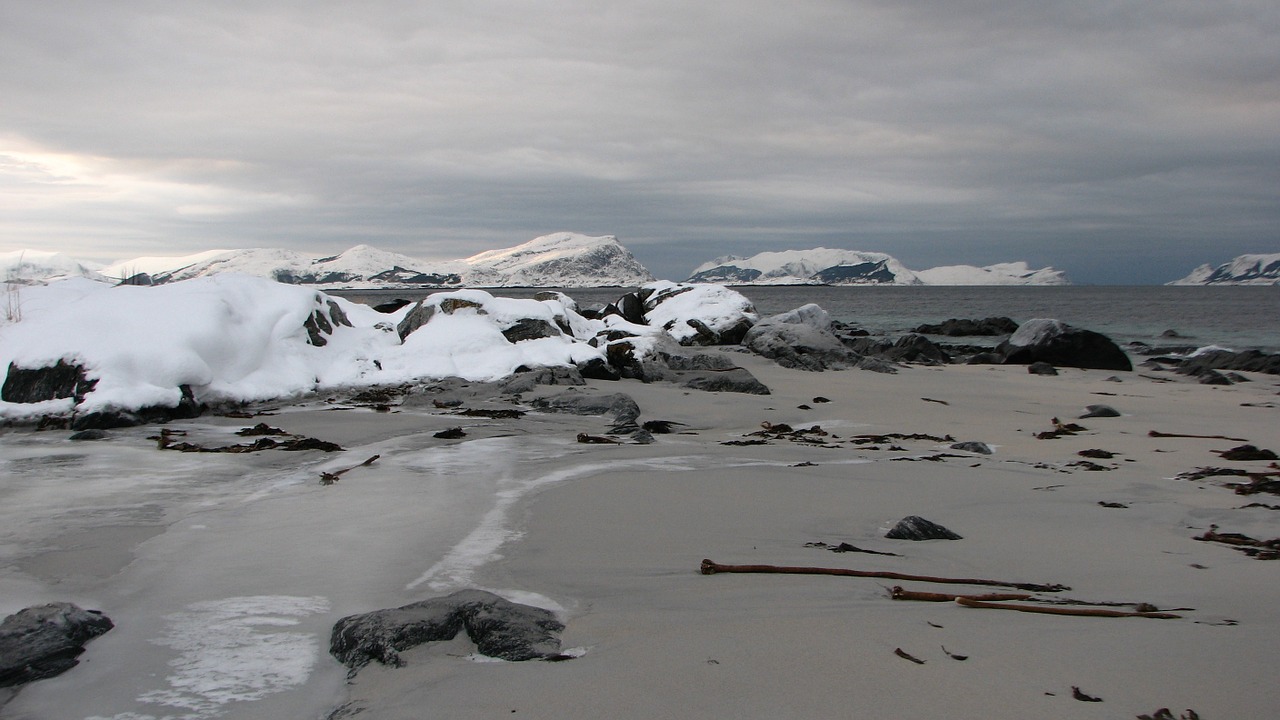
1251	269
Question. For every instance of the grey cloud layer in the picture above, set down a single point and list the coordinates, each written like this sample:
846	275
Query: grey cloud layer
941	132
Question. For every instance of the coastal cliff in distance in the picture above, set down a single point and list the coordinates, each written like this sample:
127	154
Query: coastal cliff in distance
1254	269
825	266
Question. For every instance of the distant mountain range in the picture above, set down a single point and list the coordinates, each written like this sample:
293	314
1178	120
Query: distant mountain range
1244	270
573	260
825	266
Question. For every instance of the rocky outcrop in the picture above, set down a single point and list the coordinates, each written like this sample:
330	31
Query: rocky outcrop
1062	345
499	628
46	640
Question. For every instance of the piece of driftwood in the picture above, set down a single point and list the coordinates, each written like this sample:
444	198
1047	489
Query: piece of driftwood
907	656
710	567
329	478
1158	434
952	655
1253	547
1086	612
897	592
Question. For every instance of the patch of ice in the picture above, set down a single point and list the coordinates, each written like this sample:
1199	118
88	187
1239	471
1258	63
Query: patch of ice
234	650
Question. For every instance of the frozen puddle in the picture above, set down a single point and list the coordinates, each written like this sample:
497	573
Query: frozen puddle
232	650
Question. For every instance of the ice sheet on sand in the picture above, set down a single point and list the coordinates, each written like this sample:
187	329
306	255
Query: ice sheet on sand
233	650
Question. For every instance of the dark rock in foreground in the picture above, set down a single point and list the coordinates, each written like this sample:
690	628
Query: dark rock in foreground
54	382
1063	345
43	641
914	527
498	627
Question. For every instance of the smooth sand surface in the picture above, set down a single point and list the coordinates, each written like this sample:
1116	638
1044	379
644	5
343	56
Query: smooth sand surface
620	550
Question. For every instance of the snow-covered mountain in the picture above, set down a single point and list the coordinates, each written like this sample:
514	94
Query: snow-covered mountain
40	266
1012	273
559	260
1256	269
819	266
825	266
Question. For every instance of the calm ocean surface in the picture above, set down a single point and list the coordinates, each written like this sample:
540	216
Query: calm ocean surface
1239	318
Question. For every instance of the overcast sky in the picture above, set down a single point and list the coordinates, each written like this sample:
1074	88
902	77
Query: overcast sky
1119	140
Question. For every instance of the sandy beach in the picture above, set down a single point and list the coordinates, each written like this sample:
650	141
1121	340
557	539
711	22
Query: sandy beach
611	536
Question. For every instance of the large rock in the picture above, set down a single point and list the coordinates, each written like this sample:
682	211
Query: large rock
498	627
800	339
1062	345
44	641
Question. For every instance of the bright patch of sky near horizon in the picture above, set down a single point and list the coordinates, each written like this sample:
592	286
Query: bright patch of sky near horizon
1121	141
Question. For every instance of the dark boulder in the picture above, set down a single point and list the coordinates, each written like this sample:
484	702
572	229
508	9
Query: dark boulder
1092	411
914	348
1063	345
973	446
956	327
598	369
914	527
1042	368
498	627
52	382
391	305
523	382
738	380
43	641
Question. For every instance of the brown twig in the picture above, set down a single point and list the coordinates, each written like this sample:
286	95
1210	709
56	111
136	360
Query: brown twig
710	567
329	478
1086	612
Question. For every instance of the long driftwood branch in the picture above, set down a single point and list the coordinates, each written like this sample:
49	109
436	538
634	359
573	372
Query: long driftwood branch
1087	612
1158	434
710	567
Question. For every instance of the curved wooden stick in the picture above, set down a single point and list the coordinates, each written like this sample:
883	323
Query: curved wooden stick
1087	612
710	567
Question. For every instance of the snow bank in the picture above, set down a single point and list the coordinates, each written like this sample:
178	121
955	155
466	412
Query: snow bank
235	337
